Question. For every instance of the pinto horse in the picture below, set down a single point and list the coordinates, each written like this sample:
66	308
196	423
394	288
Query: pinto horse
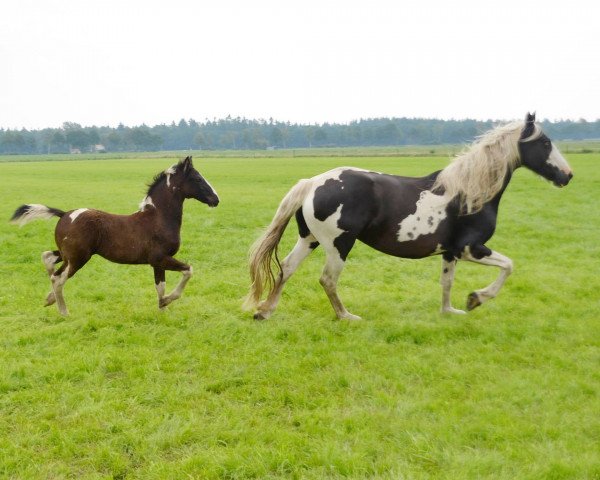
149	236
451	212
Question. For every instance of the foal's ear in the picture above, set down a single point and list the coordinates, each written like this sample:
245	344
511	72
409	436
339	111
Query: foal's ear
187	164
529	126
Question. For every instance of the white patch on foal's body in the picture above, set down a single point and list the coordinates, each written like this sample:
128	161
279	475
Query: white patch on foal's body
431	210
75	213
146	202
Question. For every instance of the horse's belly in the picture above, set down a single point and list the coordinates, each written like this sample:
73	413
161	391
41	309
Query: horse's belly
410	249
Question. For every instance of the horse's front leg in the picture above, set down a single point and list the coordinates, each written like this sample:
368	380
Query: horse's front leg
483	255
170	263
447	278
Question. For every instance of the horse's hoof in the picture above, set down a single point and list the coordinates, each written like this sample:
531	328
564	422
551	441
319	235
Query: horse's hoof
453	310
350	316
473	301
260	316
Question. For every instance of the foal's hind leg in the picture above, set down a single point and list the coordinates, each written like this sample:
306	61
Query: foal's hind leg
169	263
49	259
303	248
485	256
70	266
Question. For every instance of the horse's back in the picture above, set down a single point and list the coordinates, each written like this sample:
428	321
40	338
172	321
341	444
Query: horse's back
378	209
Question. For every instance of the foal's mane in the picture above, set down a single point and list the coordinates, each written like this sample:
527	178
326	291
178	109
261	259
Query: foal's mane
160	176
477	174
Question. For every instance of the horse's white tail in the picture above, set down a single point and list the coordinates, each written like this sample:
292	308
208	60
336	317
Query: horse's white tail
261	253
34	211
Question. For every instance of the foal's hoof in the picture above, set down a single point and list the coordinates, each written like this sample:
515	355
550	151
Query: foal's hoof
50	300
349	316
261	316
473	301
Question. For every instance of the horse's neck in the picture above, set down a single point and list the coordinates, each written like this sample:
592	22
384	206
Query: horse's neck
495	201
169	207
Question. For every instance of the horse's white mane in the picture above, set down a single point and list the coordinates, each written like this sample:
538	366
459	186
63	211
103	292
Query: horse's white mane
477	174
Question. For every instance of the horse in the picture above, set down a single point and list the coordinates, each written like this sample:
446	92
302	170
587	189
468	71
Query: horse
148	236
451	213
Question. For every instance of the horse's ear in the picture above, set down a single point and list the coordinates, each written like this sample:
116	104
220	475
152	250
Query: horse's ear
529	126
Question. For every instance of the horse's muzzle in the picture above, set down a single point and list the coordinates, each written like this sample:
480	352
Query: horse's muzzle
563	180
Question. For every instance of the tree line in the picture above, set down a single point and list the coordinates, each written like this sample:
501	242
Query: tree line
241	133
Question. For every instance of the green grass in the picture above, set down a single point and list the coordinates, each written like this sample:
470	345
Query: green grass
121	390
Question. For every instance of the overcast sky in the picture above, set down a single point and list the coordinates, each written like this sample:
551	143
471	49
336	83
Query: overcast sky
105	62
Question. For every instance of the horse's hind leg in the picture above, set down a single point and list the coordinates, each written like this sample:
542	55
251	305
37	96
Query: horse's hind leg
329	279
303	248
170	263
485	256
49	259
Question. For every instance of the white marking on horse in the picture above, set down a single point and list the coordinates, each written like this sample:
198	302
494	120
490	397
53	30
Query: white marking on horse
76	213
147	201
556	159
431	210
325	231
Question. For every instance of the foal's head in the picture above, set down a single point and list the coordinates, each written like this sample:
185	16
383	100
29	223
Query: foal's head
538	153
185	179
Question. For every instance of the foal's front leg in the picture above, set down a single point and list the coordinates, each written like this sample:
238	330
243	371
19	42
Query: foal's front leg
170	263
483	255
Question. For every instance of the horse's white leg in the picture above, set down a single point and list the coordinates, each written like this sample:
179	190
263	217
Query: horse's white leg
446	280
49	259
58	279
288	266
495	259
178	290
329	278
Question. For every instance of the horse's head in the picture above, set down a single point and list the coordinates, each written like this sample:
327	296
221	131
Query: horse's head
539	154
193	185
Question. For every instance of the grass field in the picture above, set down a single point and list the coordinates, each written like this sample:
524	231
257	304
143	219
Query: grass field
121	390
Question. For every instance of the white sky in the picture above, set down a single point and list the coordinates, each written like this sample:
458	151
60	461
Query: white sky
101	62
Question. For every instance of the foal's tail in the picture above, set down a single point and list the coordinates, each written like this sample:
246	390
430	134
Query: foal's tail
261	253
26	213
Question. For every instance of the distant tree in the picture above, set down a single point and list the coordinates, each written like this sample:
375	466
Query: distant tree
78	138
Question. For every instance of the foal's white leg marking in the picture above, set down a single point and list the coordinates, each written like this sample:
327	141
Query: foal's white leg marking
160	290
58	282
288	266
177	291
555	158
446	280
76	213
431	210
495	259
49	259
